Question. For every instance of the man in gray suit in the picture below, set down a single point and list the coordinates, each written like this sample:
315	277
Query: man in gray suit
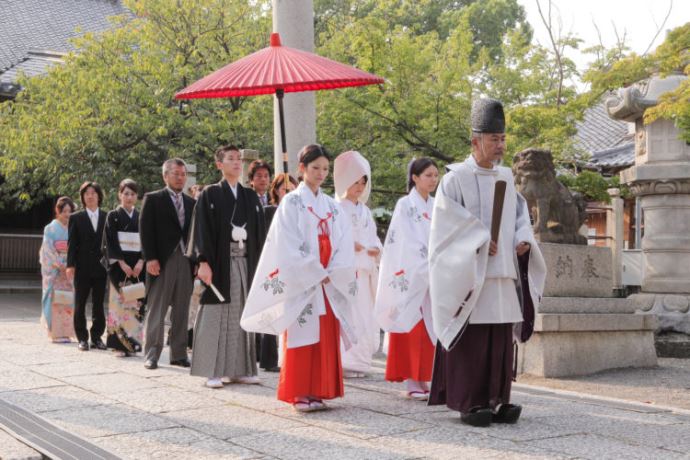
163	227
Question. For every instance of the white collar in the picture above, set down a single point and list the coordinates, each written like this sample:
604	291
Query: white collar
472	163
92	213
233	188
307	195
416	197
129	213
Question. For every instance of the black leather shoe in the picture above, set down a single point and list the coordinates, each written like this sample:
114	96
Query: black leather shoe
83	345
480	416
184	362
98	343
272	369
151	364
507	413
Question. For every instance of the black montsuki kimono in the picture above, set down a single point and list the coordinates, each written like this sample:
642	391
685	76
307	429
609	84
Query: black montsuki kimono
119	221
211	231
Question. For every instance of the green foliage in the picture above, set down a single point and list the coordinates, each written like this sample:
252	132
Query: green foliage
592	185
109	112
436	56
674	55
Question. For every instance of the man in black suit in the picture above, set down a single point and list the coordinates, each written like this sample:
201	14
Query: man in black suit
84	265
163	227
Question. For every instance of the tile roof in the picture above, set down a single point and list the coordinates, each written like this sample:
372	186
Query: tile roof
615	158
35	63
609	142
47	25
597	131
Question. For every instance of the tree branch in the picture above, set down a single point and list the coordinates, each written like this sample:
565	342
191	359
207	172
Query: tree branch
557	53
658	30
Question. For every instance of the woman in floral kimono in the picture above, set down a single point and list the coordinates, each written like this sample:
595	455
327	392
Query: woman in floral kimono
352	177
304	287
403	305
125	266
58	293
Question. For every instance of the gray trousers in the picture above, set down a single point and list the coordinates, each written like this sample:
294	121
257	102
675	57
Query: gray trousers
172	288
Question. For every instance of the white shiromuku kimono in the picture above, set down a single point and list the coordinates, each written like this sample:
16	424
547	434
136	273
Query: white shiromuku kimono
468	286
350	167
402	297
287	291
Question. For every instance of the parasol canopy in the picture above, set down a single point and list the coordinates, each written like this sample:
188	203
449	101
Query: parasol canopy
275	68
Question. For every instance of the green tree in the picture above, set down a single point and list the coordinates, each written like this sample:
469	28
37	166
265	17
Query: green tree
109	112
429	52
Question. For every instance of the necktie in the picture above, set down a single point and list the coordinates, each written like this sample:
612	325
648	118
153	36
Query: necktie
94	221
264	201
179	208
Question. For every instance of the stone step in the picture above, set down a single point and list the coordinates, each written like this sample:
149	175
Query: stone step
594	322
587	305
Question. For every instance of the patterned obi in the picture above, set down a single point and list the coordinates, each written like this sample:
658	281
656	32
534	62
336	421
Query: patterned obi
61	246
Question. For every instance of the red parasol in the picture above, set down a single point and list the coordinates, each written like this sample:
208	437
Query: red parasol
277	70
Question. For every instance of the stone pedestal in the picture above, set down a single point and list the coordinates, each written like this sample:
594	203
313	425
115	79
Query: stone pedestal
580	328
294	21
583	335
577	270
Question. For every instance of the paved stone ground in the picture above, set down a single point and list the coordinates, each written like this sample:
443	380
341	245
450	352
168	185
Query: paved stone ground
135	413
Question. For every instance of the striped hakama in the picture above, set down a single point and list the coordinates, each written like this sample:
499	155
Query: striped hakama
221	347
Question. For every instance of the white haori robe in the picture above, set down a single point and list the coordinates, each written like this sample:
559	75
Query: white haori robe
402	297
358	358
468	286
287	291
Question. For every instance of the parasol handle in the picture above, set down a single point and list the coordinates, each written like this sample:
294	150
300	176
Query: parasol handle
281	112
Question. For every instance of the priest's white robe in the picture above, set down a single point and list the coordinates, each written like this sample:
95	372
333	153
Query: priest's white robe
402	297
287	291
466	285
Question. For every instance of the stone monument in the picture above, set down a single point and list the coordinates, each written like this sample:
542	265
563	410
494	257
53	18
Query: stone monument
660	178
580	327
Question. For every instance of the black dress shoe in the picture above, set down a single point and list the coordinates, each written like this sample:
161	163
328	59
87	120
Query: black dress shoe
272	369
83	345
507	413
478	416
184	362
151	364
98	343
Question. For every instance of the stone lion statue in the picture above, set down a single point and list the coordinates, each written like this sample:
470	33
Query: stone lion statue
557	212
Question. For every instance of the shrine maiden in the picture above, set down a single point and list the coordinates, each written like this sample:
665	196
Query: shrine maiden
402	304
305	287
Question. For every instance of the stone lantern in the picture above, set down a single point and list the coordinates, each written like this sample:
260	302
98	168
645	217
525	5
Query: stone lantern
660	179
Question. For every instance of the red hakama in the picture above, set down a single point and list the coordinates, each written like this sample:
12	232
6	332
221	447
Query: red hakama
315	370
410	355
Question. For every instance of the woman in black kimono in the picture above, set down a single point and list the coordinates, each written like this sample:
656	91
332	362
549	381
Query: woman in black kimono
125	268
